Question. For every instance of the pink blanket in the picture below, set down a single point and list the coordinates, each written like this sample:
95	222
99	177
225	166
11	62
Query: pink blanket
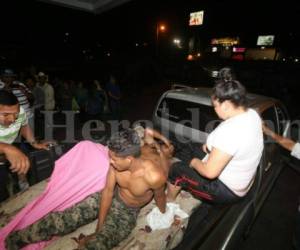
77	174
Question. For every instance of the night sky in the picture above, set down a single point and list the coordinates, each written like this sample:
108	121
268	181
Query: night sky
38	29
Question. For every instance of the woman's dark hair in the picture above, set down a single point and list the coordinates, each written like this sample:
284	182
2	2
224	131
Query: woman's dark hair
226	74
7	98
231	90
125	143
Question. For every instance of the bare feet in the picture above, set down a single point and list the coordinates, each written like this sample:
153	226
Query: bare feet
82	240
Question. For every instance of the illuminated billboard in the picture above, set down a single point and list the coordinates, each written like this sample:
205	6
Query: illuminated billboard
265	40
238	50
196	18
225	41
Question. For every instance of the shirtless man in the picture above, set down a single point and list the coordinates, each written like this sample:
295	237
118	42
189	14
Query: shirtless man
132	181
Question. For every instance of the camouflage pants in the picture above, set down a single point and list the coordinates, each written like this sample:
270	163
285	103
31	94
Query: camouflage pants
119	222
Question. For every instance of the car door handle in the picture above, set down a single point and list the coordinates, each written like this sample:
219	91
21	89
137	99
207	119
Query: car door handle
268	166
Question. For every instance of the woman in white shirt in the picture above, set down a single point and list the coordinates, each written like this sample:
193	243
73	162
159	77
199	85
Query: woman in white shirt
233	150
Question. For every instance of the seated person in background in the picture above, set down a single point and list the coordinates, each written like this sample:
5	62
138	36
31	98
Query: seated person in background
133	180
13	121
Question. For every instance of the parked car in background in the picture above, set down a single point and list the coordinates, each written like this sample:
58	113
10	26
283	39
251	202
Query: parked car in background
186	114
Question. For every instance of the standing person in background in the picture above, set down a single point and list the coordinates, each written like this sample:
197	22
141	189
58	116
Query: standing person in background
38	102
48	91
103	93
81	95
38	99
19	89
49	96
95	103
66	96
294	148
114	95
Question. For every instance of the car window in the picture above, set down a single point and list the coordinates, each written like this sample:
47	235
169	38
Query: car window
272	151
195	115
270	118
282	119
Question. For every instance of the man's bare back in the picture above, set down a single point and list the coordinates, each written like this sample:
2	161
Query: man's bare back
136	184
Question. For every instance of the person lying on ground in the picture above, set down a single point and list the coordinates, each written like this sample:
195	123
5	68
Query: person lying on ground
134	178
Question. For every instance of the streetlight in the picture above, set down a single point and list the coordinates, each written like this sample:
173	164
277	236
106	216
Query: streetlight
159	28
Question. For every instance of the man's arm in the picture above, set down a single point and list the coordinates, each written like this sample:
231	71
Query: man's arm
156	135
106	197
114	96
26	132
157	179
283	141
216	162
160	198
19	162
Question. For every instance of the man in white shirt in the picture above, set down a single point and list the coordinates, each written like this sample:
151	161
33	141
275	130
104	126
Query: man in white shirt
13	121
48	97
48	91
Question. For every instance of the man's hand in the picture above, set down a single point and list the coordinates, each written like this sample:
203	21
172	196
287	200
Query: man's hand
267	130
82	240
205	149
98	227
42	145
19	162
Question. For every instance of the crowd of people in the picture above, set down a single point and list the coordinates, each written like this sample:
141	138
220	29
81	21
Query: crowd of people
35	95
93	98
140	167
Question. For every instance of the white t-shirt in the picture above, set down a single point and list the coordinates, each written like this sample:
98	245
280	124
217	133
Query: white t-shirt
240	136
296	151
49	96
